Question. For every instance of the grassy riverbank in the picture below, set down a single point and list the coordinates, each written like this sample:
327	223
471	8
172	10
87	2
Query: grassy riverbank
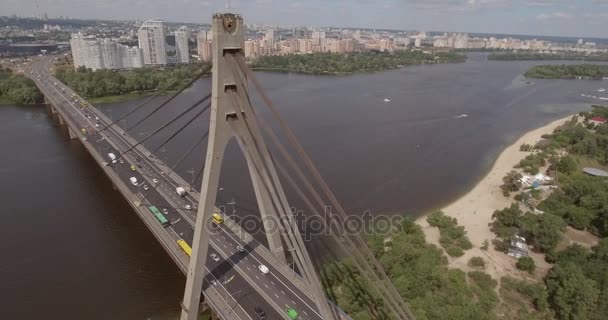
349	63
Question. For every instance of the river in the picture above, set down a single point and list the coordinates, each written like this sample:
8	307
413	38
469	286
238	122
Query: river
72	248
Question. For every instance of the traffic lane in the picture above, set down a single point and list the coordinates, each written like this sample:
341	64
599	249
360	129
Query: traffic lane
306	299
273	281
247	297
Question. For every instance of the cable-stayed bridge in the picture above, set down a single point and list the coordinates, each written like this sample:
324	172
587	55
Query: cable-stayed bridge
227	269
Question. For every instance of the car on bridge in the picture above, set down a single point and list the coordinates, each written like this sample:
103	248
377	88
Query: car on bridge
264	269
214	257
260	313
292	313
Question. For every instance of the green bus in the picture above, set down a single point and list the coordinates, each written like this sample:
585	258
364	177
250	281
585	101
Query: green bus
159	216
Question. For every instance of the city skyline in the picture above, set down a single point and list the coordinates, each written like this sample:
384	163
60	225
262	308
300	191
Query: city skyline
574	18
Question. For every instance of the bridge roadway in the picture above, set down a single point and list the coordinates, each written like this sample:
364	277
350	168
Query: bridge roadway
234	286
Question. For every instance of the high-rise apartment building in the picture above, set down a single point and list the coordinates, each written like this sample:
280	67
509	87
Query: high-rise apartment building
110	55
151	36
98	54
86	51
204	46
181	45
269	37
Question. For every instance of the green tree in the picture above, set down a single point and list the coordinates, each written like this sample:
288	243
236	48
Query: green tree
571	294
511	183
567	165
526	264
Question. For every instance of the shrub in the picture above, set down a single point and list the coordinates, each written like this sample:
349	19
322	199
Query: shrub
477	262
526	264
485	245
525	147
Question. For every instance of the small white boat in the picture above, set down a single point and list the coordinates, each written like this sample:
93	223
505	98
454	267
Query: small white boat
601	90
387	100
464	115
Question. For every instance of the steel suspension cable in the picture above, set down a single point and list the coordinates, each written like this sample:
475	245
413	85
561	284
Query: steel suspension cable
182	128
139	106
190	150
396	297
166	102
166	124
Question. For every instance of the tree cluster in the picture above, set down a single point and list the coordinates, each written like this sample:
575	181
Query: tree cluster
102	83
346	63
420	273
510	56
17	88
453	238
593	71
543	231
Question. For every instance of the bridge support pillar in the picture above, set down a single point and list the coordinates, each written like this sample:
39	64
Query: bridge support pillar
71	134
61	121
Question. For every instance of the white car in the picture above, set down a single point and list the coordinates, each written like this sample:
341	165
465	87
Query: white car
165	211
155	180
122	161
96	118
146	187
188	207
263	269
97	125
214	257
240	249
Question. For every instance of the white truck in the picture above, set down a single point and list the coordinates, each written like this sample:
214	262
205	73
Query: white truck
181	191
112	157
133	181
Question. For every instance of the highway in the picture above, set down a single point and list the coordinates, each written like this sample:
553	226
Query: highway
235	278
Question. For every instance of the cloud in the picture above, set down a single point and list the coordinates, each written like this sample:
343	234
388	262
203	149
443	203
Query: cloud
554	15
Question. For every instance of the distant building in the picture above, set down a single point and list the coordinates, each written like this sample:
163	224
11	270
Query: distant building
181	45
151	36
98	54
269	37
86	51
204	46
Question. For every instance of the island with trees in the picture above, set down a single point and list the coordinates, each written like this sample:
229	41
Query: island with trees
348	63
579	71
533	55
16	88
103	86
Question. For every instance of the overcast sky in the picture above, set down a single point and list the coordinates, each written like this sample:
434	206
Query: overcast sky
586	18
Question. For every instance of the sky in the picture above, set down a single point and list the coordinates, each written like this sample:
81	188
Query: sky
578	18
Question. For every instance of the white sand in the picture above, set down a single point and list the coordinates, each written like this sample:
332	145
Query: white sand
474	211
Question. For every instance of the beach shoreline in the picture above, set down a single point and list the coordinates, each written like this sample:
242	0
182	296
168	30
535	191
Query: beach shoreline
475	208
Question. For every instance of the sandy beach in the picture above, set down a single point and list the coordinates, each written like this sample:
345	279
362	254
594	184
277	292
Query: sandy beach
474	211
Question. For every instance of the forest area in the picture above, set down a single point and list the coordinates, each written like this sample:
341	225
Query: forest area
585	71
102	83
347	63
16	88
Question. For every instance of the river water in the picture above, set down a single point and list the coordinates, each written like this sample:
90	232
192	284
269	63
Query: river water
73	249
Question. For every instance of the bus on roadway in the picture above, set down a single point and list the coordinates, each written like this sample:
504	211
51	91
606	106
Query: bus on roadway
184	245
159	216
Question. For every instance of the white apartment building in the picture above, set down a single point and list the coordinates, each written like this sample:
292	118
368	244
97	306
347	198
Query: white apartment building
151	36
98	54
181	45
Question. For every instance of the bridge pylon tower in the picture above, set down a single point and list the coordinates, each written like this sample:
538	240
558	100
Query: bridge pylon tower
231	117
